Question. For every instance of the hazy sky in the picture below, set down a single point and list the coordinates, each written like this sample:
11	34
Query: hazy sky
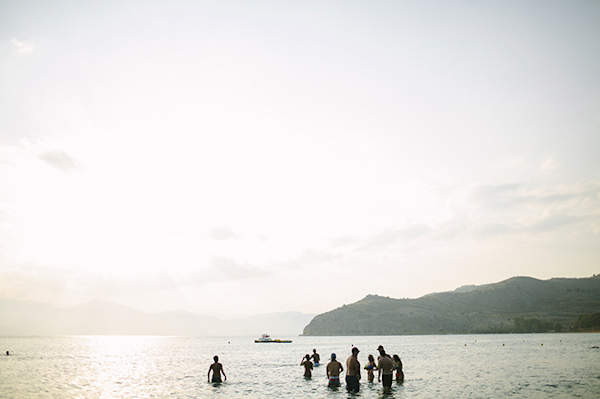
250	157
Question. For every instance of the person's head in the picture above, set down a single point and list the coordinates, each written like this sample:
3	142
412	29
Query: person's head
355	351
307	356
314	351
371	358
380	348
216	359
333	356
396	358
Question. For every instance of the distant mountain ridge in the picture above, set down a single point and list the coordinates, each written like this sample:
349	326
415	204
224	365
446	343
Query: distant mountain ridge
469	309
106	318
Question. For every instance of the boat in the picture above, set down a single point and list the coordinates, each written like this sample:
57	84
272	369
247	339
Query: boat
265	338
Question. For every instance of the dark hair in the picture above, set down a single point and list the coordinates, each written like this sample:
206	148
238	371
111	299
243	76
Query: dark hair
216	358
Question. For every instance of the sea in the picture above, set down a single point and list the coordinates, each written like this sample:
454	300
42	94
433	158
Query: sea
446	366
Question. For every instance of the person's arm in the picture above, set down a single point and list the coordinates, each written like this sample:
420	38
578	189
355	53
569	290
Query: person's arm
223	371
378	373
210	368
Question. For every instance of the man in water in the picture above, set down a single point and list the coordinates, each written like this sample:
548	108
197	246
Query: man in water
381	352
217	369
334	368
315	357
353	371
386	367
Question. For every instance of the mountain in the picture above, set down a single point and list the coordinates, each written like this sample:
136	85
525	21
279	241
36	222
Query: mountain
105	318
471	309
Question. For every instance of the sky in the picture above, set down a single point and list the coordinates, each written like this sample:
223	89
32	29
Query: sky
237	158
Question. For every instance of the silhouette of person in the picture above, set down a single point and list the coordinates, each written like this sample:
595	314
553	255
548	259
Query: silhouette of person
353	371
398	368
386	367
333	371
315	357
308	366
371	367
217	370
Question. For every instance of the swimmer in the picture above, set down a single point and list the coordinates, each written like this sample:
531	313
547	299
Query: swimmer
370	367
386	367
398	368
217	369
334	368
353	371
315	357
308	366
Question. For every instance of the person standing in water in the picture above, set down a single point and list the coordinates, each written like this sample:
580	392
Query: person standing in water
371	367
217	370
398	368
386	367
334	368
315	357
353	371
308	366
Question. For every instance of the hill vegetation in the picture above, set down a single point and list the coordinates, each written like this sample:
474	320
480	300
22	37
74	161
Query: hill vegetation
519	304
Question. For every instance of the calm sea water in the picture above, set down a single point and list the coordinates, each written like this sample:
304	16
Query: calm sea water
459	366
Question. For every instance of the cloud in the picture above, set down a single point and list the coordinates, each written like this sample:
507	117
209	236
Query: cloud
384	238
500	211
230	269
497	196
392	236
549	165
60	160
517	208
21	46
222	233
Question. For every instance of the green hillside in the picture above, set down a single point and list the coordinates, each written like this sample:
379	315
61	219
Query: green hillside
533	304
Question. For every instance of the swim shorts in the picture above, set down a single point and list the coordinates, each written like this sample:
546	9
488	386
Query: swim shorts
334	381
387	380
216	379
352	383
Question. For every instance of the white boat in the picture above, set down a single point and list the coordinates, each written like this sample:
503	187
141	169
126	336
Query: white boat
265	338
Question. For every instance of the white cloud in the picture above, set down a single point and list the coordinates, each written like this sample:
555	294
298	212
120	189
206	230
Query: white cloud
60	160
21	46
549	165
222	233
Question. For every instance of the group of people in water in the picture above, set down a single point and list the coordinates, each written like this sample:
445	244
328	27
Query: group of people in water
386	366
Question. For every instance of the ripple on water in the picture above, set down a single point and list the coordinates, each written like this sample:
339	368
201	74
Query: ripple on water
166	367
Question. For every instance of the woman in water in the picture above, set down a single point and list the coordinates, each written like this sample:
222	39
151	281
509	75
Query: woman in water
308	366
370	367
398	368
